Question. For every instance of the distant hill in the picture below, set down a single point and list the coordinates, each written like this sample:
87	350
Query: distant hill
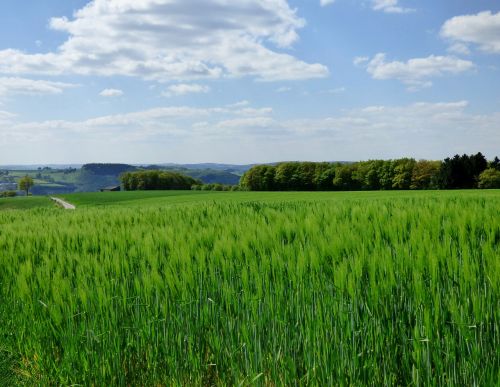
233	168
108	169
207	175
33	167
94	176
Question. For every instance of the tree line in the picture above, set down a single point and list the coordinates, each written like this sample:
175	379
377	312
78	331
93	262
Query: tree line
458	172
156	180
215	187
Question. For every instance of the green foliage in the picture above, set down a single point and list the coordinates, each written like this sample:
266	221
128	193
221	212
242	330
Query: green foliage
381	288
156	180
490	178
462	171
344	177
425	175
495	164
289	176
295	176
214	187
401	174
8	194
260	178
26	183
323	176
108	169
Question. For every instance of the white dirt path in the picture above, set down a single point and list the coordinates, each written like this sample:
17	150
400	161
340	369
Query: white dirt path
63	204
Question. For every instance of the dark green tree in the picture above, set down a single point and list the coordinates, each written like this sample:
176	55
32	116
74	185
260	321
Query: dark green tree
495	164
343	180
259	178
156	180
462	171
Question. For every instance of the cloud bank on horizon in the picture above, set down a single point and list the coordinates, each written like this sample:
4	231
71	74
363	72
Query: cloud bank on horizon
160	80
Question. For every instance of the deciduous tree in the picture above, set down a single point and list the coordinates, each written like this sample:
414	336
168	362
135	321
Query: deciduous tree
490	178
26	183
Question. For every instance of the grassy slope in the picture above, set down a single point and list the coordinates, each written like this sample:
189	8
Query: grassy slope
127	198
162	198
159	198
25	203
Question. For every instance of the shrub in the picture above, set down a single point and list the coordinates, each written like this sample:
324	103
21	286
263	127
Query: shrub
490	178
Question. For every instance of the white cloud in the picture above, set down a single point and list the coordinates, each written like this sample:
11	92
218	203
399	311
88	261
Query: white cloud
324	3
253	112
482	29
360	60
173	40
459	48
111	93
232	134
24	86
415	73
152	118
185	88
389	6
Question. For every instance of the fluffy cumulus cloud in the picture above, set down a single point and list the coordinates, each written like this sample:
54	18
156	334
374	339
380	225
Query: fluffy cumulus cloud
482	30
389	6
174	40
24	86
236	133
324	3
417	72
111	93
185	88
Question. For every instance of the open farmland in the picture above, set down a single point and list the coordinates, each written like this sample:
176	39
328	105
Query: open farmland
140	288
18	203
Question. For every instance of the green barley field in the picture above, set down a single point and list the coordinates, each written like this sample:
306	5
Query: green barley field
265	289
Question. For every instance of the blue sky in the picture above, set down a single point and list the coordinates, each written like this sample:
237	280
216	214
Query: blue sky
150	81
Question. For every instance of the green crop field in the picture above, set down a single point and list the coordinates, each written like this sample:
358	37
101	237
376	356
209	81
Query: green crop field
163	198
25	203
239	288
